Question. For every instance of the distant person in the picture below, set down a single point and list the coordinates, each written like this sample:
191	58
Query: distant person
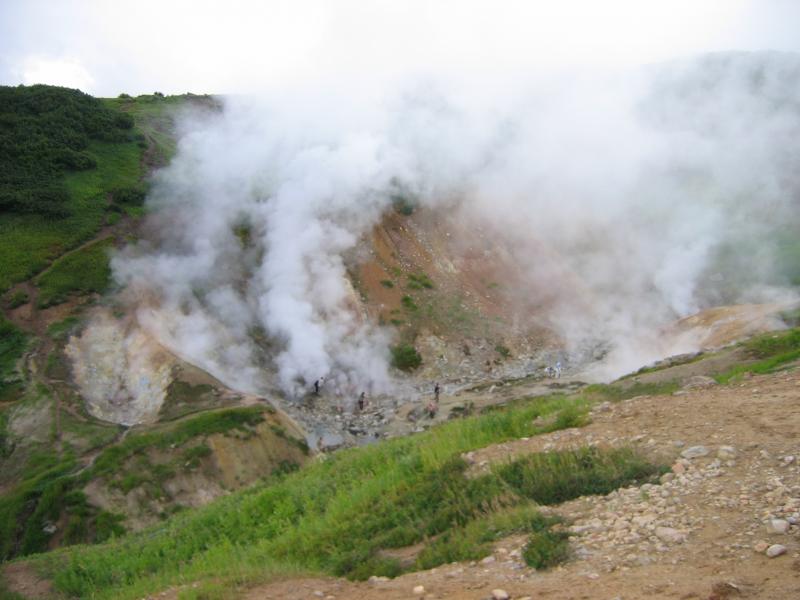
432	408
316	387
362	401
436	391
558	370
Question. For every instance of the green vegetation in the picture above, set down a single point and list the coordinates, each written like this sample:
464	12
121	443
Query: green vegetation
61	329
17	299
61	153
184	398
773	349
546	549
130	196
335	516
623	391
554	477
773	344
208	423
673	361
502	350
86	433
12	347
472	541
244	233
791	317
419	281
45	133
153	114
6	445
404	205
37	500
193	456
49	488
387	283
405	357
84	271
409	304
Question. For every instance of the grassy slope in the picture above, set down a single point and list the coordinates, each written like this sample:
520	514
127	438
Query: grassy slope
12	346
84	271
770	352
764	353
335	515
49	484
30	242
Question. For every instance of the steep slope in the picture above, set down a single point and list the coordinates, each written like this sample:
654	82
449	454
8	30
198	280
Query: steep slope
78	461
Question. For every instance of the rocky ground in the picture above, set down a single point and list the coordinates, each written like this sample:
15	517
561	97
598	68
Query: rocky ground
722	523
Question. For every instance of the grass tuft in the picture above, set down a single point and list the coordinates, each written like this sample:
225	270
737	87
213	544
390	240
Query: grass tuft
554	477
405	357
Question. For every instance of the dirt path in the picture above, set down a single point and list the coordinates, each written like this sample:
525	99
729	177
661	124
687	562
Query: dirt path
701	533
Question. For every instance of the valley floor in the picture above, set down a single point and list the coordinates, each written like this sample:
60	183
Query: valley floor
703	532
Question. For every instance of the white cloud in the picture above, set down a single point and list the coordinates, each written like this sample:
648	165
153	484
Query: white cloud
66	72
244	46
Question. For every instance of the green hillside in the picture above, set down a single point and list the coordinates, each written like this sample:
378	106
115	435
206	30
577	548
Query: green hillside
62	152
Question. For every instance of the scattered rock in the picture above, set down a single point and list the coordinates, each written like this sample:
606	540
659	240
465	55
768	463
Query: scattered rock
699	382
777	526
761	547
419	590
776	550
726	452
49	528
724	589
670	535
488	560
695	452
499	594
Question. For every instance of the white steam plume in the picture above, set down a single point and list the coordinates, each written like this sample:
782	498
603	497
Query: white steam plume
655	193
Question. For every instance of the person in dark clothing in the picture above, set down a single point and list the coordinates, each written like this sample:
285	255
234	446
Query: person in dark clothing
316	387
436	391
362	401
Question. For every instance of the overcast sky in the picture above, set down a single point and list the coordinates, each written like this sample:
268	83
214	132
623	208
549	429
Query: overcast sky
106	47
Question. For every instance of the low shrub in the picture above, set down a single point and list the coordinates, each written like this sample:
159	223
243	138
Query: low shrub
554	477
405	357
